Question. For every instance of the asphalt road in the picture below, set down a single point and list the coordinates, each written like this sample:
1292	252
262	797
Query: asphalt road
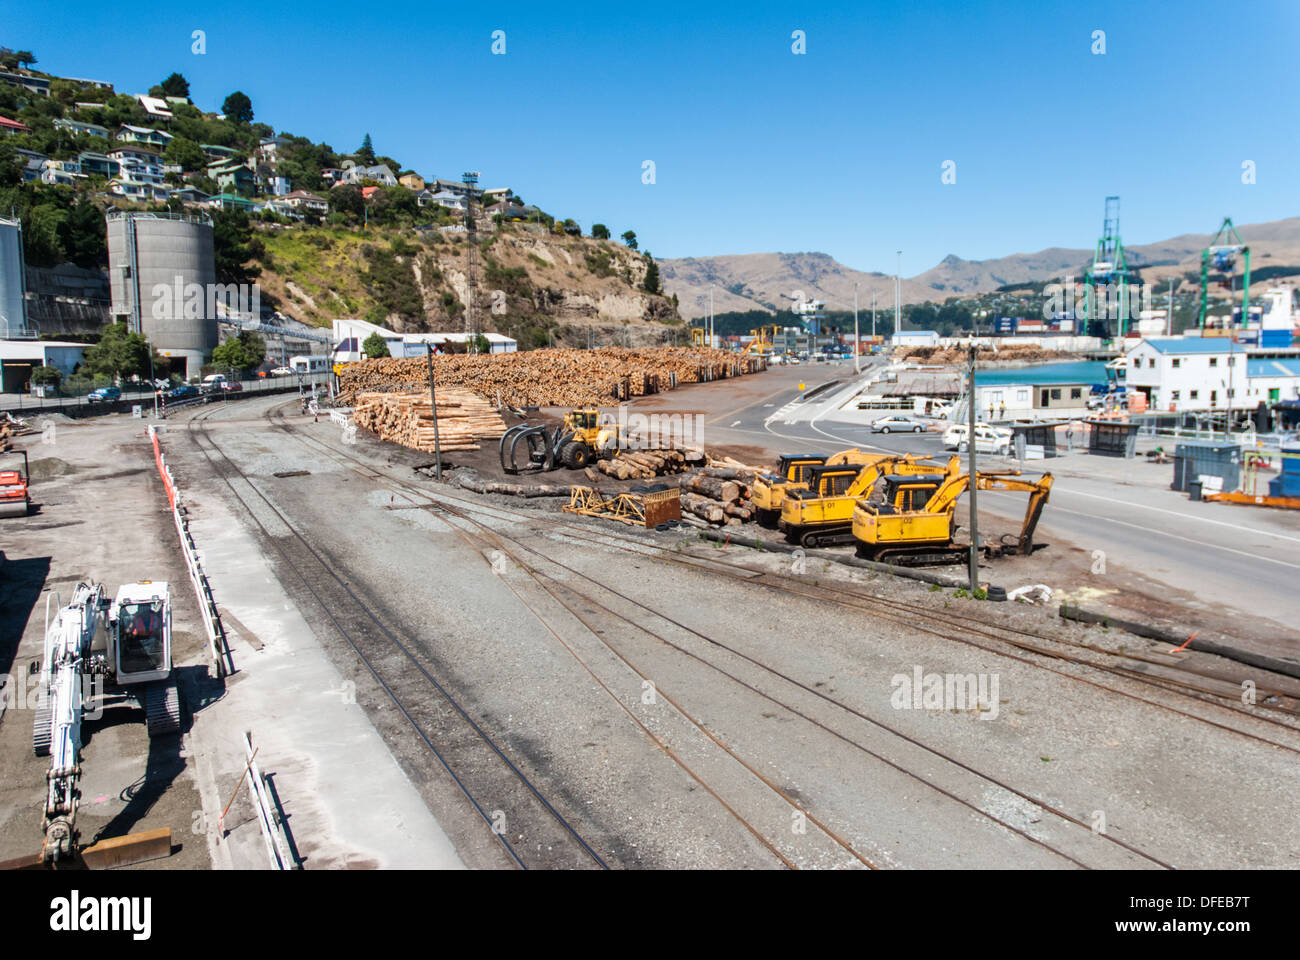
1213	555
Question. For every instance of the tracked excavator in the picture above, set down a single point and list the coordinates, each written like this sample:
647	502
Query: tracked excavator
97	651
821	513
769	490
910	519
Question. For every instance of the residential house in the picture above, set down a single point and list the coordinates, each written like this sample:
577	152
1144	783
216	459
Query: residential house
305	202
232	176
445	198
499	195
13	126
65	172
190	195
331	176
368	192
80	126
379	172
214	151
145	135
277	186
269	147
139	174
33	169
450	186
97	165
35	84
155	106
230	201
85	84
412	181
424	197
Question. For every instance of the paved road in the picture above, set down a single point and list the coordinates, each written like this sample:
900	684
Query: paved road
1220	554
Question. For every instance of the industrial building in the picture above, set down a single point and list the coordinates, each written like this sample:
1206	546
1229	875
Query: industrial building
1053	390
155	261
1179	374
349	335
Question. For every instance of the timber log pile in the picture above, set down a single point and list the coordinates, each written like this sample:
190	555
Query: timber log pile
549	378
645	464
463	418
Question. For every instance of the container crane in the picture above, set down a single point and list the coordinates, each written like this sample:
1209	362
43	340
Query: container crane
1109	269
1222	258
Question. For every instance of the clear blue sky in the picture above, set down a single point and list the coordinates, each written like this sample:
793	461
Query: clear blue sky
758	149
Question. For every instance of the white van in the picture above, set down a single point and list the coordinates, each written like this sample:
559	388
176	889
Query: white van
212	383
987	439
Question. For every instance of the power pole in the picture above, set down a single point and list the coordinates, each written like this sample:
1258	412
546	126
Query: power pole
710	343
898	295
974	511
433	400
470	179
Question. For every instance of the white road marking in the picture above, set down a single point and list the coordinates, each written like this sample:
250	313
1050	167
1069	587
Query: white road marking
1191	516
735	423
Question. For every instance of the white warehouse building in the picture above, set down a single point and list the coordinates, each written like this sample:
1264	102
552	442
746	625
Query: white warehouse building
349	335
1211	373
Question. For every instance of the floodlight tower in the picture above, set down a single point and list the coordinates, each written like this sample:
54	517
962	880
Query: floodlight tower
1109	268
1223	257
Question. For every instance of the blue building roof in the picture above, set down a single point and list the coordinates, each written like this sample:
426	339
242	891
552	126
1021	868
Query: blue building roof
1264	367
1173	345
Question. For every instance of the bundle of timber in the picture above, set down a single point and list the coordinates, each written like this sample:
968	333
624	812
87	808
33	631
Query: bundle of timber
462	419
644	464
718	495
558	378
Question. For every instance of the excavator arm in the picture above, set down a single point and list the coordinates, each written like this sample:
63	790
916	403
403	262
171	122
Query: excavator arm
1038	491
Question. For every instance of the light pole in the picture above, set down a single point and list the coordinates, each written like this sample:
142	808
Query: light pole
898	295
974	514
857	342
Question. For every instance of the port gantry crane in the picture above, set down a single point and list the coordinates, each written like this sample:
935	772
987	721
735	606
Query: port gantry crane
1222	257
126	642
1109	269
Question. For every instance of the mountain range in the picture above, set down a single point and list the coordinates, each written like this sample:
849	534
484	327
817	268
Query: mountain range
766	281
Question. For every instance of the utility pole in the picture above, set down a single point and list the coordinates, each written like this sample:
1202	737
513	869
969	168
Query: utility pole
710	343
470	179
974	512
857	342
1169	320
433	400
873	318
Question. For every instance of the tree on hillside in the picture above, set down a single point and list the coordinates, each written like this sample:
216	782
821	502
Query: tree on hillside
185	152
651	282
347	199
242	352
233	245
600	231
366	154
238	108
25	58
375	346
175	86
629	237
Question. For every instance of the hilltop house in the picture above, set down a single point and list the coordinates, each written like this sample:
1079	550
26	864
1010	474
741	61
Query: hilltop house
38	85
412	181
232	176
65	172
379	172
302	201
79	126
97	165
139	174
155	106
145	135
13	126
445	198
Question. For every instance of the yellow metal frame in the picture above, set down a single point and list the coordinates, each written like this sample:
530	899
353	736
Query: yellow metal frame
629	508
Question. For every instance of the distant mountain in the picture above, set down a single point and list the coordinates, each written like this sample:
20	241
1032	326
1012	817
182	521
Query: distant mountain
765	280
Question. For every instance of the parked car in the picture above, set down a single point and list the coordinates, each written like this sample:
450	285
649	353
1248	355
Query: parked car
183	392
212	382
282	372
897	423
104	395
987	439
232	386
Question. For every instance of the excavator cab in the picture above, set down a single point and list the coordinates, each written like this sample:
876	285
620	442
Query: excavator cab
141	633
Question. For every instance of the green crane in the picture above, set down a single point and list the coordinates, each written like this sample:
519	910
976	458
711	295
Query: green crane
1109	267
1223	257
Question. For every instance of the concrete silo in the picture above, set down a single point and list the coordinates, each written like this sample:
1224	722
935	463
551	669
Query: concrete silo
162	275
13	281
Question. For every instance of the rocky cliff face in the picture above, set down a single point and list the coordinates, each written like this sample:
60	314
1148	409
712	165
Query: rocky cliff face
536	286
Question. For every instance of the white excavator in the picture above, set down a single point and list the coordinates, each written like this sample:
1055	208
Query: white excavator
97	650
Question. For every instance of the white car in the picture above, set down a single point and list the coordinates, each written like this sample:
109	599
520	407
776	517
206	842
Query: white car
987	439
282	372
897	423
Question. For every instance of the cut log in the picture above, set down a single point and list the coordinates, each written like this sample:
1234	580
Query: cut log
702	507
723	490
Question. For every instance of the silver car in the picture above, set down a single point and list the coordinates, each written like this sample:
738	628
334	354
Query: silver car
897	423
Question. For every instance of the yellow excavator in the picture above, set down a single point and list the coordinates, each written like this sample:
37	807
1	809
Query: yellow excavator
909	519
769	490
821	513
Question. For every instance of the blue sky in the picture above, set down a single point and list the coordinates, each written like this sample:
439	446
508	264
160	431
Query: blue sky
755	148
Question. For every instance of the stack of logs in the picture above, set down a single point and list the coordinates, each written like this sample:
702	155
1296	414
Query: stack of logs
645	464
462	418
720	493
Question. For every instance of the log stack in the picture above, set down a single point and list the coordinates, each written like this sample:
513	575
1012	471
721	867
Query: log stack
557	378
716	498
463	418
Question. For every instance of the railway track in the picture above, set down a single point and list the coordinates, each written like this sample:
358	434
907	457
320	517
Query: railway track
513	547
473	759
